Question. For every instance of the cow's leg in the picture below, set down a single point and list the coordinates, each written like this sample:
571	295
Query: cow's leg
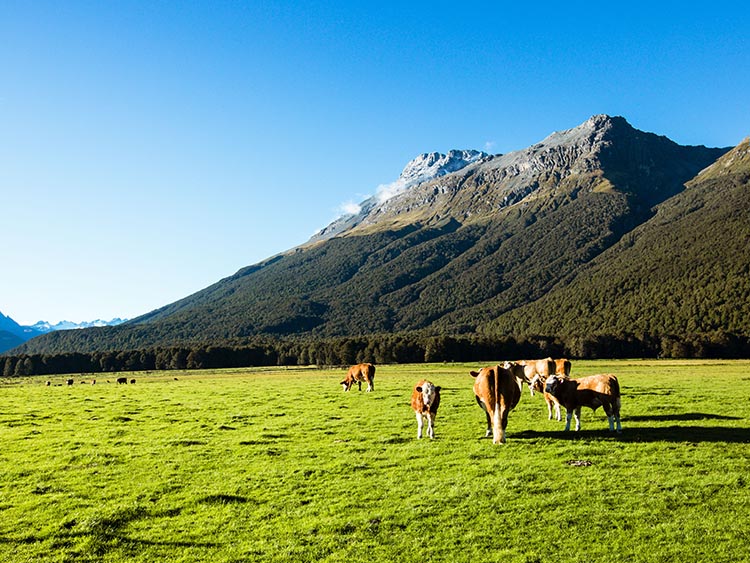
488	433
370	386
557	412
419	425
568	416
359	385
503	423
549	407
431	425
578	418
499	423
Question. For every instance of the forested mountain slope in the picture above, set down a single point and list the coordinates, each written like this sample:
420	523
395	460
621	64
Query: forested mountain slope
684	271
471	249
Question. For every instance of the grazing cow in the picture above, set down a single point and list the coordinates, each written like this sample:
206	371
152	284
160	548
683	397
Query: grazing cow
359	373
69	382
122	380
132	381
425	400
594	391
498	390
48	383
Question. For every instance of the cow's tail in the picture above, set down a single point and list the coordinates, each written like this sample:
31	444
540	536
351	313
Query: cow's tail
497	429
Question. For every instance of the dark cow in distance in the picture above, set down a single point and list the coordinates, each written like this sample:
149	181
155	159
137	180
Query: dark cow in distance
425	400
593	391
497	390
359	374
122	380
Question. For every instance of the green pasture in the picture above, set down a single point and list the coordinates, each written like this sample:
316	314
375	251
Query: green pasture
281	465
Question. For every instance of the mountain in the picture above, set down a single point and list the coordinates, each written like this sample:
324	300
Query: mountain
425	167
493	246
44	326
12	334
684	271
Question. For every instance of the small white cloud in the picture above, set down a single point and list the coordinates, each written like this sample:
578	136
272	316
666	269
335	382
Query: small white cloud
350	208
387	191
489	146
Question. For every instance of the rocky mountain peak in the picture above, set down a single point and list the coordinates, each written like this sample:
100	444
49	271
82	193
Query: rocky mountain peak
423	168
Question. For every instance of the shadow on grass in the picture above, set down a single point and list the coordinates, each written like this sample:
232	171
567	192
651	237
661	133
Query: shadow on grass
676	434
681	417
105	534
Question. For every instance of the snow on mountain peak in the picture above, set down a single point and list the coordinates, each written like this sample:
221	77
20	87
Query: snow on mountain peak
428	166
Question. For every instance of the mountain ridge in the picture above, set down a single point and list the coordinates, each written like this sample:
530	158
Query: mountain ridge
454	254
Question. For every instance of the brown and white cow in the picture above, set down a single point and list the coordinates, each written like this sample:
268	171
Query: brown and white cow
537	382
425	400
593	391
358	374
497	390
534	370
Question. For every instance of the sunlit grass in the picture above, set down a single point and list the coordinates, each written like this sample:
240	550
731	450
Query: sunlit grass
281	465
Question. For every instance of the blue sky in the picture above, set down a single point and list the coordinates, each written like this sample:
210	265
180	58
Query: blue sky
149	149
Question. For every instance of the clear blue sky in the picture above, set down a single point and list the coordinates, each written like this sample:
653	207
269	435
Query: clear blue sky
149	149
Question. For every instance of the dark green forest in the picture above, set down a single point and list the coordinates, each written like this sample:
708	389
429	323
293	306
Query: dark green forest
379	349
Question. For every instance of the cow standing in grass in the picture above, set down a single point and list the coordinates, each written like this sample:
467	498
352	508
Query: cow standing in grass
562	368
594	391
359	374
498	390
425	400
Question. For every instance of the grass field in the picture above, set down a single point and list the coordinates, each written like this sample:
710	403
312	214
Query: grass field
281	465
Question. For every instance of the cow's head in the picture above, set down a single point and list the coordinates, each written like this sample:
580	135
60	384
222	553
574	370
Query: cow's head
429	392
347	383
536	384
552	383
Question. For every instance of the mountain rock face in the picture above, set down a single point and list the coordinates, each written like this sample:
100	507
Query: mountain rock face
516	244
425	167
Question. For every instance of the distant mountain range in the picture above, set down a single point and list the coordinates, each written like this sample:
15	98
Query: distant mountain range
597	230
12	334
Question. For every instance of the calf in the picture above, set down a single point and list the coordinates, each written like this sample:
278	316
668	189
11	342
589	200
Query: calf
359	373
497	390
594	391
425	400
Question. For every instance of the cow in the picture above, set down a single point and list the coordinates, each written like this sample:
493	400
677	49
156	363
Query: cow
69	382
562	367
132	381
122	380
359	373
497	390
534	369
425	400
593	391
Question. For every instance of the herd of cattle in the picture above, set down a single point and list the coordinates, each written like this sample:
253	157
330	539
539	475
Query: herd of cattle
498	389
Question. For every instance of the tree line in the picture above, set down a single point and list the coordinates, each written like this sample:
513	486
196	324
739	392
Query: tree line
379	349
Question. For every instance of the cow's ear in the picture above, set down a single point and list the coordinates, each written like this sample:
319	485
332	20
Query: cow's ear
418	389
474	373
438	388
